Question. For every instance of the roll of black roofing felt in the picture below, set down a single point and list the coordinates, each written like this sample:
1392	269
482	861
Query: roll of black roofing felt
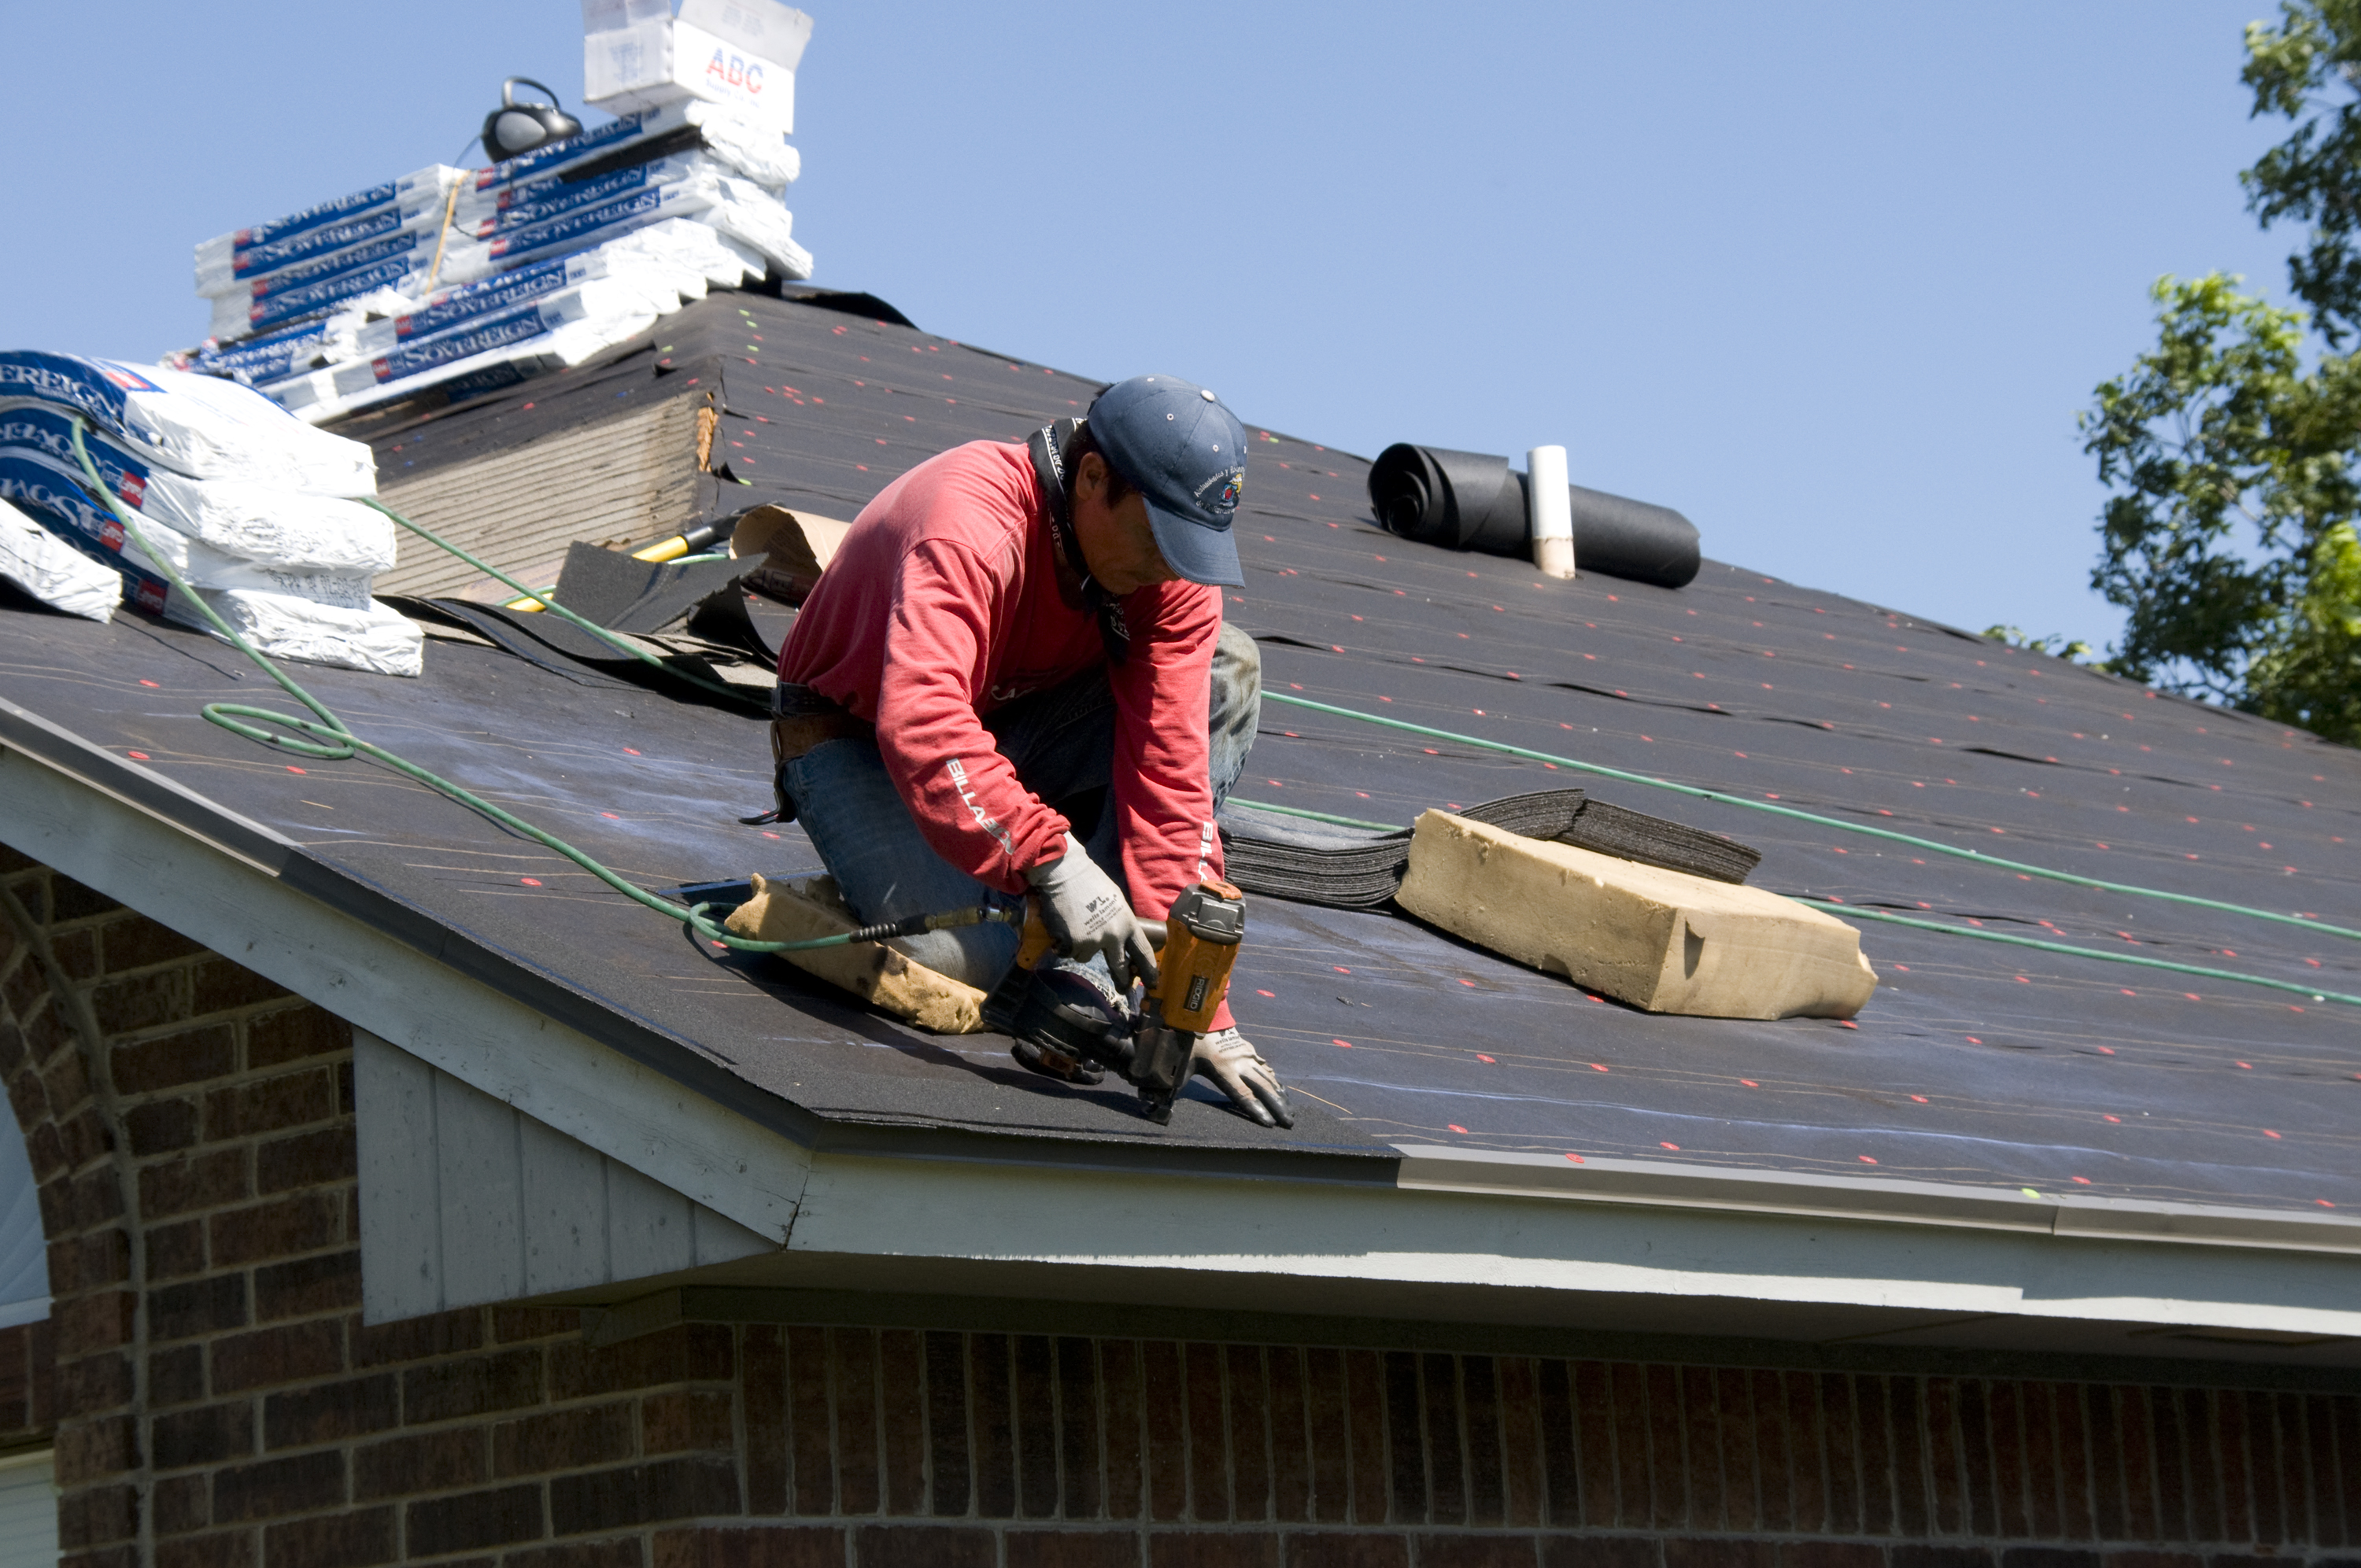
1470	501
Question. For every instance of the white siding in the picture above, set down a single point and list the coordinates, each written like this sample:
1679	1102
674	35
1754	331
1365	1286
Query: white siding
29	1512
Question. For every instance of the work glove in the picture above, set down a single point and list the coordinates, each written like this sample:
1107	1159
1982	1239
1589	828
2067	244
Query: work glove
1238	1071
1086	913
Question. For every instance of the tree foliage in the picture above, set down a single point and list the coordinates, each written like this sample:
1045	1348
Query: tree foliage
2230	449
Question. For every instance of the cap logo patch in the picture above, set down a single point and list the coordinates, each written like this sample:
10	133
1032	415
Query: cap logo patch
1220	493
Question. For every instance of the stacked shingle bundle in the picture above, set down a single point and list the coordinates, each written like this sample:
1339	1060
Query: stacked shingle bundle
1345	867
256	510
470	281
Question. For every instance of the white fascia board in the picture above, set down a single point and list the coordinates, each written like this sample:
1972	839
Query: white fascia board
1459	1227
229	900
1372	1243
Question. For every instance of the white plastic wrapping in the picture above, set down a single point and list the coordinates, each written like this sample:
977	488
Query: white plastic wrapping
374	637
198	425
53	571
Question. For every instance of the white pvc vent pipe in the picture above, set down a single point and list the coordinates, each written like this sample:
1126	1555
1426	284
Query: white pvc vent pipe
1551	512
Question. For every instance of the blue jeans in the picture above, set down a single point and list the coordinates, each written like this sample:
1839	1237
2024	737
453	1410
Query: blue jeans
1062	743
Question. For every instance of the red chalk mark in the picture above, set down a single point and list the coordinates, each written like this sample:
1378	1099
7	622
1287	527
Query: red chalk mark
1921	1098
1749	1083
1259	992
530	882
1972	1040
2248	1065
1468	982
632	750
1346	1043
2079	1181
1597	1066
611	816
141	756
150	684
2115	1119
2269	1134
768	834
1340	968
1453	1125
1578	1159
293	769
1481	1057
1865	1160
1662	1145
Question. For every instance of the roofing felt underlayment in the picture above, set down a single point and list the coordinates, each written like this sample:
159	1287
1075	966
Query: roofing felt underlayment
1975	1063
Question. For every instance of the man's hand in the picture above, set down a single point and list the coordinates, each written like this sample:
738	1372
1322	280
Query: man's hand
1233	1064
1086	913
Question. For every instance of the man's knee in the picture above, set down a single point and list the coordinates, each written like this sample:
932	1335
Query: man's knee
1236	679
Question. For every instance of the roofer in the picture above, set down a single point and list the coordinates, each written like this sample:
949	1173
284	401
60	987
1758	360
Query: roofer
1013	678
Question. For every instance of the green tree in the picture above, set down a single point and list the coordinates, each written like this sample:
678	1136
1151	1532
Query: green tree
2228	535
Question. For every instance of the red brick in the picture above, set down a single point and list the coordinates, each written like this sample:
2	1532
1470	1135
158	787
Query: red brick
624	1553
583	1503
97	1515
190	1055
290	1354
764	1391
204	1180
99	1320
564	1440
65	1083
205	1306
174	1377
133	941
219	986
179	1504
175	1251
429	1462
946	1421
854	1357
145	1002
1311	1551
416	1339
512	1324
306	1286
1200	1409
75	952
473	1520
228	1549
1599	1551
1176	1550
922	1546
1710	1552
813	1445
687	1353
474	1386
1836	1554
282	1228
675	1422
89	1450
294	1033
338	1540
305	1483
270	1104
1478	1551
82	1202
307	1159
86	1262
725	1546
207	1435
330	1412
1071	1548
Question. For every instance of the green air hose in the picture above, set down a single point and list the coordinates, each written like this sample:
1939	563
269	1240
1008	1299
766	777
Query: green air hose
326	738
329	739
2023	868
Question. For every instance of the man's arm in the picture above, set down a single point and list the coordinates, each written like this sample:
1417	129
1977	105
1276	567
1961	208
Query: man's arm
963	795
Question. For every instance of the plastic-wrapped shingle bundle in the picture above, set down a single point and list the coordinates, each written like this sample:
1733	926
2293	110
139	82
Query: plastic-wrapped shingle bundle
254	510
660	204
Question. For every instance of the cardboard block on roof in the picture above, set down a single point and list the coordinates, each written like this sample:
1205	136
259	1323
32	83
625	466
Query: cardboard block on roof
1662	940
797	912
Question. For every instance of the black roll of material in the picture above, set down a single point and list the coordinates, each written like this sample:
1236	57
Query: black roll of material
1471	500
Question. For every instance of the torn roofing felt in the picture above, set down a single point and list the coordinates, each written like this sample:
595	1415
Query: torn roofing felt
1974	1063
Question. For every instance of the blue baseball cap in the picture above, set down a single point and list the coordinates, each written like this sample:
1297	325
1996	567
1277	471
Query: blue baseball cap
1186	454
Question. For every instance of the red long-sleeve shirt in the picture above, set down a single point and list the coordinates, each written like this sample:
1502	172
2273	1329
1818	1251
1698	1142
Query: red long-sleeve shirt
941	604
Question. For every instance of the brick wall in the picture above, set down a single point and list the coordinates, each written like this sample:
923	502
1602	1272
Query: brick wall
217	1402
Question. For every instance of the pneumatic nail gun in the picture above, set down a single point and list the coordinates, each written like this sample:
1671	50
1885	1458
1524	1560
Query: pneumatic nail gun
1196	946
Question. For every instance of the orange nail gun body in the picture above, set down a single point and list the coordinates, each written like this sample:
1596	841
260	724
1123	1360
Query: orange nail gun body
1198	946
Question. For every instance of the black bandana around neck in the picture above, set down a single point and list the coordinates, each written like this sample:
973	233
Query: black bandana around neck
1048	447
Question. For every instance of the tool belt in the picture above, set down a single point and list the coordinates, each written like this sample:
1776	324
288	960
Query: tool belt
800	720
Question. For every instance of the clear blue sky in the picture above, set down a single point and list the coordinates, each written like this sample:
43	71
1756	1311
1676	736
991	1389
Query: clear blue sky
1831	278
